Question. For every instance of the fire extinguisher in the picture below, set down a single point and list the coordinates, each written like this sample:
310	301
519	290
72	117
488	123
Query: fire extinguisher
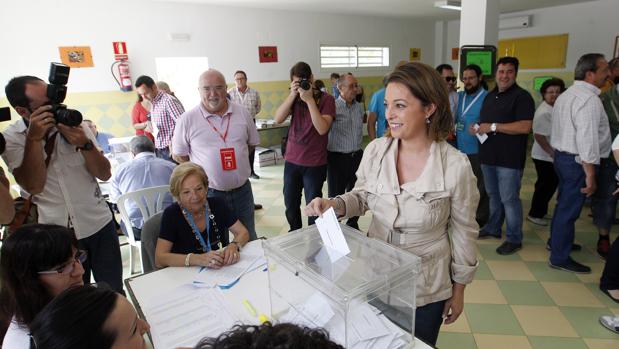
121	68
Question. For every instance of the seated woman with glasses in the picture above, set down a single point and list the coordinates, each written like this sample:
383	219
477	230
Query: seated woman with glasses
88	317
37	263
193	228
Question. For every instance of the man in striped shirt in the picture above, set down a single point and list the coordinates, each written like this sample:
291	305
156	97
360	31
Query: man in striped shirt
250	99
345	137
164	113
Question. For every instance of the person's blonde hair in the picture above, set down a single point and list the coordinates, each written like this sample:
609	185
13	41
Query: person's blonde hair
183	171
425	83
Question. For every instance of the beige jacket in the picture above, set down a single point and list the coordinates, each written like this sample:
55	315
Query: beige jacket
416	216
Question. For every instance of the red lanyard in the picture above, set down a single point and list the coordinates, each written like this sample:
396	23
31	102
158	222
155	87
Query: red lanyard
225	135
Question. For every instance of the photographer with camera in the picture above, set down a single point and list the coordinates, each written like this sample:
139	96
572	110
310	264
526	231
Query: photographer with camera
306	150
56	160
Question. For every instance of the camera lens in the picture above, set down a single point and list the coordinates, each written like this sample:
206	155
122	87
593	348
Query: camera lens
305	84
69	117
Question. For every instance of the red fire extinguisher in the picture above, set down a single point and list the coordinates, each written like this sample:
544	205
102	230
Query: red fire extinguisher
121	68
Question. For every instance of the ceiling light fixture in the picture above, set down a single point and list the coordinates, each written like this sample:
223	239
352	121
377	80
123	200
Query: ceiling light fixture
449	5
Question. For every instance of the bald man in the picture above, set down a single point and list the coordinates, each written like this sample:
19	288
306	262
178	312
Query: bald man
217	135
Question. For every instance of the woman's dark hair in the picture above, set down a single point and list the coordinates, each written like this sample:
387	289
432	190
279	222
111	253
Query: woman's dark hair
319	84
30	249
267	336
428	86
75	319
552	82
301	70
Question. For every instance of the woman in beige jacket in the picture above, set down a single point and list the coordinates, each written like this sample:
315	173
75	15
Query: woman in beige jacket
419	188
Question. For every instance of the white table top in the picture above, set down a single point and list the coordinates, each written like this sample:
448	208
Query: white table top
253	287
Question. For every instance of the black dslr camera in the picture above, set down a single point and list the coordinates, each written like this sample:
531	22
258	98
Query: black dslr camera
57	91
305	84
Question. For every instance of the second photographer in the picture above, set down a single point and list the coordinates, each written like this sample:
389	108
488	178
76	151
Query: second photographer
57	161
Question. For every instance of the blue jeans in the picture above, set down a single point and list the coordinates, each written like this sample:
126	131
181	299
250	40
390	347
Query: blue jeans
104	258
503	189
569	204
297	178
241	202
603	202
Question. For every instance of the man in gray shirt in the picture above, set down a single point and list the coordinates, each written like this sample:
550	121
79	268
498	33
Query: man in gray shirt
345	138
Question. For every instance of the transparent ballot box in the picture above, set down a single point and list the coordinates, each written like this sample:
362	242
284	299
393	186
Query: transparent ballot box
365	299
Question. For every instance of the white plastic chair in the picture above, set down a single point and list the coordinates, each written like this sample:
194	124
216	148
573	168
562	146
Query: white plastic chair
150	202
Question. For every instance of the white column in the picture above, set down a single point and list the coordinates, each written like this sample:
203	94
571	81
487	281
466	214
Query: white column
440	42
479	22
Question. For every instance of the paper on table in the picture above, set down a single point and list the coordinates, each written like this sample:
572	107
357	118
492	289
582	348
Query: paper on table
186	316
366	323
314	312
252	257
482	137
332	236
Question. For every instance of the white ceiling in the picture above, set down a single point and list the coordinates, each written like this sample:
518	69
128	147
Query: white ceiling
396	8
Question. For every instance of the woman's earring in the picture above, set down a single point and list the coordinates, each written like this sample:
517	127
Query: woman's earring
428	121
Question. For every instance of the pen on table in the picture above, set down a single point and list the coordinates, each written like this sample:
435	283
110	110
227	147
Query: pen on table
250	308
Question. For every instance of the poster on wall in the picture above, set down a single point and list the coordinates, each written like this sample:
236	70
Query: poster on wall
267	54
414	54
76	56
455	53
616	50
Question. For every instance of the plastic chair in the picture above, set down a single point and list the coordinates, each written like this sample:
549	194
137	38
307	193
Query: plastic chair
150	234
150	202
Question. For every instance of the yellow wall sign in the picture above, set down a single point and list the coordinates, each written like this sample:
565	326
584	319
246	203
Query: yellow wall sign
536	52
76	56
414	54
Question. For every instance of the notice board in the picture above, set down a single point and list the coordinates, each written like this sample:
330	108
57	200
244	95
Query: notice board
536	52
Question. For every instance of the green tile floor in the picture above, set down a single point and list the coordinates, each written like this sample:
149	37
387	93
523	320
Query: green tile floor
515	302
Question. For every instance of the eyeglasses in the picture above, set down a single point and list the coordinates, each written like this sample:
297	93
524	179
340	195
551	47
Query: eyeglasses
450	78
208	89
80	256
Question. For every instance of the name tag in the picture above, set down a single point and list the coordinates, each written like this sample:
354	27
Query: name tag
228	159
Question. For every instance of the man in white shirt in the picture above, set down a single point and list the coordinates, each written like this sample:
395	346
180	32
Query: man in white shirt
146	170
580	137
66	190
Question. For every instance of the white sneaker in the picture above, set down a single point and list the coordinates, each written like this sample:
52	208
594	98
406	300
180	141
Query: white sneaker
538	221
610	322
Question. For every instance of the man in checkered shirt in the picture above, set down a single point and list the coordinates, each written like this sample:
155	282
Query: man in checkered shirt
164	112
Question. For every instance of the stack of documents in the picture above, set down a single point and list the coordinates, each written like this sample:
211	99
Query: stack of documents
368	328
186	316
252	257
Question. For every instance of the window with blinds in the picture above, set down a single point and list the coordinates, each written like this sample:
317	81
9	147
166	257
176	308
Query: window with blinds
353	56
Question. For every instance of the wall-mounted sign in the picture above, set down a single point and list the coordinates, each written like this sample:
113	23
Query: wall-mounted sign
414	54
120	51
267	54
76	56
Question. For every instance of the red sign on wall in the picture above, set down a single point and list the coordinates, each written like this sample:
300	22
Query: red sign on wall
268	54
120	51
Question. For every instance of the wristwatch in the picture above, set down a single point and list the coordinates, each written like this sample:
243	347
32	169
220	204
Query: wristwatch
88	146
493	127
238	246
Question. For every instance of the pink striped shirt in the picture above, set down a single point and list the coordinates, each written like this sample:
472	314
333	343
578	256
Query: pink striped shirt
164	114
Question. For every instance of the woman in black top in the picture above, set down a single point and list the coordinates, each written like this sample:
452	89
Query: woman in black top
195	228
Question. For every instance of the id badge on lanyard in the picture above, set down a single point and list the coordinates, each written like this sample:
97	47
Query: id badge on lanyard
226	155
228	159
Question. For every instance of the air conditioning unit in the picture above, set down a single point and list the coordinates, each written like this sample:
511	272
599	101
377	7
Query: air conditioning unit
515	22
